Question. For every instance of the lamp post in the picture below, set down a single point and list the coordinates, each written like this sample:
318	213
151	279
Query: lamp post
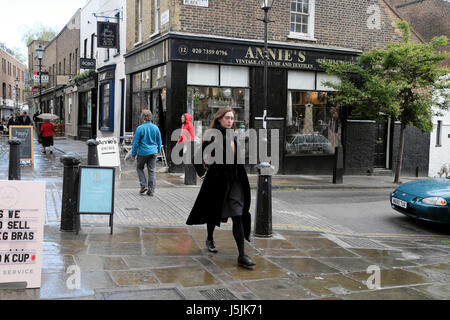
40	55
16	81
266	5
263	216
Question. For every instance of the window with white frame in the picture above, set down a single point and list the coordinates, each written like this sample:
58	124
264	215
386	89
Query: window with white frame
302	19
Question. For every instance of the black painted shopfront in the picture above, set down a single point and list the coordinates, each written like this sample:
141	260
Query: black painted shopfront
199	75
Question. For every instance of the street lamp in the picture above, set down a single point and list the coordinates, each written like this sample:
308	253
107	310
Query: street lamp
40	55
263	216
16	81
266	5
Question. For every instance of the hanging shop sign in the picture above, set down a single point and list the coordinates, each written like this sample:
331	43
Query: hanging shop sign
107	35
22	214
253	55
86	63
44	79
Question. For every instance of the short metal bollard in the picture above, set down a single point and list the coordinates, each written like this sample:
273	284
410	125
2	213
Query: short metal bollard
190	175
92	152
14	159
70	192
263	215
338	169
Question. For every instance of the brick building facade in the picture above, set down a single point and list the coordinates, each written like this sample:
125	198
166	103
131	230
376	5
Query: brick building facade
197	56
60	61
10	70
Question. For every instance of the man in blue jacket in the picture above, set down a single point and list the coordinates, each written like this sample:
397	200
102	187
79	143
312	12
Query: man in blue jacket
146	145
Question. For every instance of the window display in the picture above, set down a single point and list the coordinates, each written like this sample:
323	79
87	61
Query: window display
204	102
311	124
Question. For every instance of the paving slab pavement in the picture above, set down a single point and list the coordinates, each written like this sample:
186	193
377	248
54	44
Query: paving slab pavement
154	255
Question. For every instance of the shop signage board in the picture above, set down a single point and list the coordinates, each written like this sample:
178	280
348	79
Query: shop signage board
107	35
22	214
198	3
25	135
43	81
96	191
252	54
108	152
147	58
86	63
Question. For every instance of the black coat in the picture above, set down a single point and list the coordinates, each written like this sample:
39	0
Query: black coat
218	180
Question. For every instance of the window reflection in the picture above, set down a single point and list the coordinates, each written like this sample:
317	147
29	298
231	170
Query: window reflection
311	123
204	102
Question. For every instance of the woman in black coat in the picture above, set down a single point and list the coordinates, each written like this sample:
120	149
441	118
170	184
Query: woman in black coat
225	192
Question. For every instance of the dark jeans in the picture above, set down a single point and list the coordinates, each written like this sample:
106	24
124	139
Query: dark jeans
150	161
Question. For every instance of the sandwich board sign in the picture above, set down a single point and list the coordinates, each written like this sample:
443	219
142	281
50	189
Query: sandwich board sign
25	135
108	152
96	192
22	213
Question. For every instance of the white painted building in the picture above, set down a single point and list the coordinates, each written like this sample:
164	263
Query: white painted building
440	144
104	105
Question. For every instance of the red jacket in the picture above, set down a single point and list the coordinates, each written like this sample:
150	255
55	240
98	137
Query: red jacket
47	129
187	129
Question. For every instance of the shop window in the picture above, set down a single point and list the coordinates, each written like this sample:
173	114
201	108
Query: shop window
312	126
202	74
204	102
302	19
107	106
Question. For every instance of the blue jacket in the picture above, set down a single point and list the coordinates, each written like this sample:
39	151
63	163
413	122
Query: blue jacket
146	140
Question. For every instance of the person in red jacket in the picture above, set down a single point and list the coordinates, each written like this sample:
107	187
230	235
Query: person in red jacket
187	134
47	130
187	129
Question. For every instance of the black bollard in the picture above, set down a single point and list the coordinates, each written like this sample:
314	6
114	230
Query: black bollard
190	175
70	192
92	152
338	170
14	159
263	215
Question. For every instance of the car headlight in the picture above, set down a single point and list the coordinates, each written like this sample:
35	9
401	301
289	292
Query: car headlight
436	201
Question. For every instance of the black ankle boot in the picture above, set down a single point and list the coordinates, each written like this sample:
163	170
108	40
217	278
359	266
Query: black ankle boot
211	246
245	261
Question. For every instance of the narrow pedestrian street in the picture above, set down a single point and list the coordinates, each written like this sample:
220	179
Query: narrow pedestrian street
152	254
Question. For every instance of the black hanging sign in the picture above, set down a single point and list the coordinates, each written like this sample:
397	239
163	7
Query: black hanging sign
86	63
107	35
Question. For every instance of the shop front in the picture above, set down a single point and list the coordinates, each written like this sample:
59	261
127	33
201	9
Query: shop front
205	74
87	109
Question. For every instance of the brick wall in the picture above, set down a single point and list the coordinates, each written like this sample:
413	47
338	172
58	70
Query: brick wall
430	18
337	23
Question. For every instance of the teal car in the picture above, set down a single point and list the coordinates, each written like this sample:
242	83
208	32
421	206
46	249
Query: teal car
427	199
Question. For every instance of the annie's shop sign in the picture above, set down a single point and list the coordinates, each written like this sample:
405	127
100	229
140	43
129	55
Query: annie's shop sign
251	55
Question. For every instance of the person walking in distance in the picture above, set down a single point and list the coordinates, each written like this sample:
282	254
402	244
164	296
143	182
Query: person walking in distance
146	145
47	130
186	136
225	192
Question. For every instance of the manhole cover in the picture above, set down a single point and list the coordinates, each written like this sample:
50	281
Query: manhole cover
218	294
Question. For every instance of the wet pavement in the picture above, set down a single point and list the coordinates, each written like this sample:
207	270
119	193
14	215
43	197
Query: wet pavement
154	255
